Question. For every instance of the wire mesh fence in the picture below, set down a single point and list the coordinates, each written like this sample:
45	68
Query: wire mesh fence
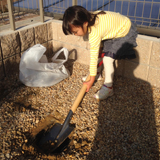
145	13
20	10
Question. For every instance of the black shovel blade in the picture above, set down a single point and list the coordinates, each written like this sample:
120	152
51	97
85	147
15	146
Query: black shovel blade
52	139
50	135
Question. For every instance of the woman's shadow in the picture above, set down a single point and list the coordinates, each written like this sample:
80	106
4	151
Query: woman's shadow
126	123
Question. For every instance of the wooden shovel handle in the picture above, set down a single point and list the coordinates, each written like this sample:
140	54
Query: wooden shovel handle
80	96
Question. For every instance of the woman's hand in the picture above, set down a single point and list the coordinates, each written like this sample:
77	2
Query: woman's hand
89	83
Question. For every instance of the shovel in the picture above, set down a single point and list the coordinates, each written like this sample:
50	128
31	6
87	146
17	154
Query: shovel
58	134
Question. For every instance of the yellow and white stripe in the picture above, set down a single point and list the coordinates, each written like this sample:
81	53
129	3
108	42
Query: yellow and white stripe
107	26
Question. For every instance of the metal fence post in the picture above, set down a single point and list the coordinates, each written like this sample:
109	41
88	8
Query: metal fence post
11	15
41	10
74	2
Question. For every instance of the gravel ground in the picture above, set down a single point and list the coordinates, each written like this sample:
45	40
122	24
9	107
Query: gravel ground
126	126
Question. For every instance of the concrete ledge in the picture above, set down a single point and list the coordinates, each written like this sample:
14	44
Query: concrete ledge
1	70
11	64
81	54
146	66
0	51
27	38
10	44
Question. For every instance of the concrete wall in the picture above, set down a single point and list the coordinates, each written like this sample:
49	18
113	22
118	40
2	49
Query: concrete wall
146	66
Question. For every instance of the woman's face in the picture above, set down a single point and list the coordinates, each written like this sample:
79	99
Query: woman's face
78	30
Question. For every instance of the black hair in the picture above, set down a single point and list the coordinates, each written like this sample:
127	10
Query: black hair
77	15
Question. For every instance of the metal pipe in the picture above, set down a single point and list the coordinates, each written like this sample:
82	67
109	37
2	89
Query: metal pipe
74	2
41	10
149	31
11	15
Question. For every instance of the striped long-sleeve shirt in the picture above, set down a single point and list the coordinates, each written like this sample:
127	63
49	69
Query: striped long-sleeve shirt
107	26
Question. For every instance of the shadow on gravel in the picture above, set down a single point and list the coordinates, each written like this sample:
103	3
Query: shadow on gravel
18	102
126	123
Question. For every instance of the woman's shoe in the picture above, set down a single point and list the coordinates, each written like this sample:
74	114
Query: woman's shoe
104	93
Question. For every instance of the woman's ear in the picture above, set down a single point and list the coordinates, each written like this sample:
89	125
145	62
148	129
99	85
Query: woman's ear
86	24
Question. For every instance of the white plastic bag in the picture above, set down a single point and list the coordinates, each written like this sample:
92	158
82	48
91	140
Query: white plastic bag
35	71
